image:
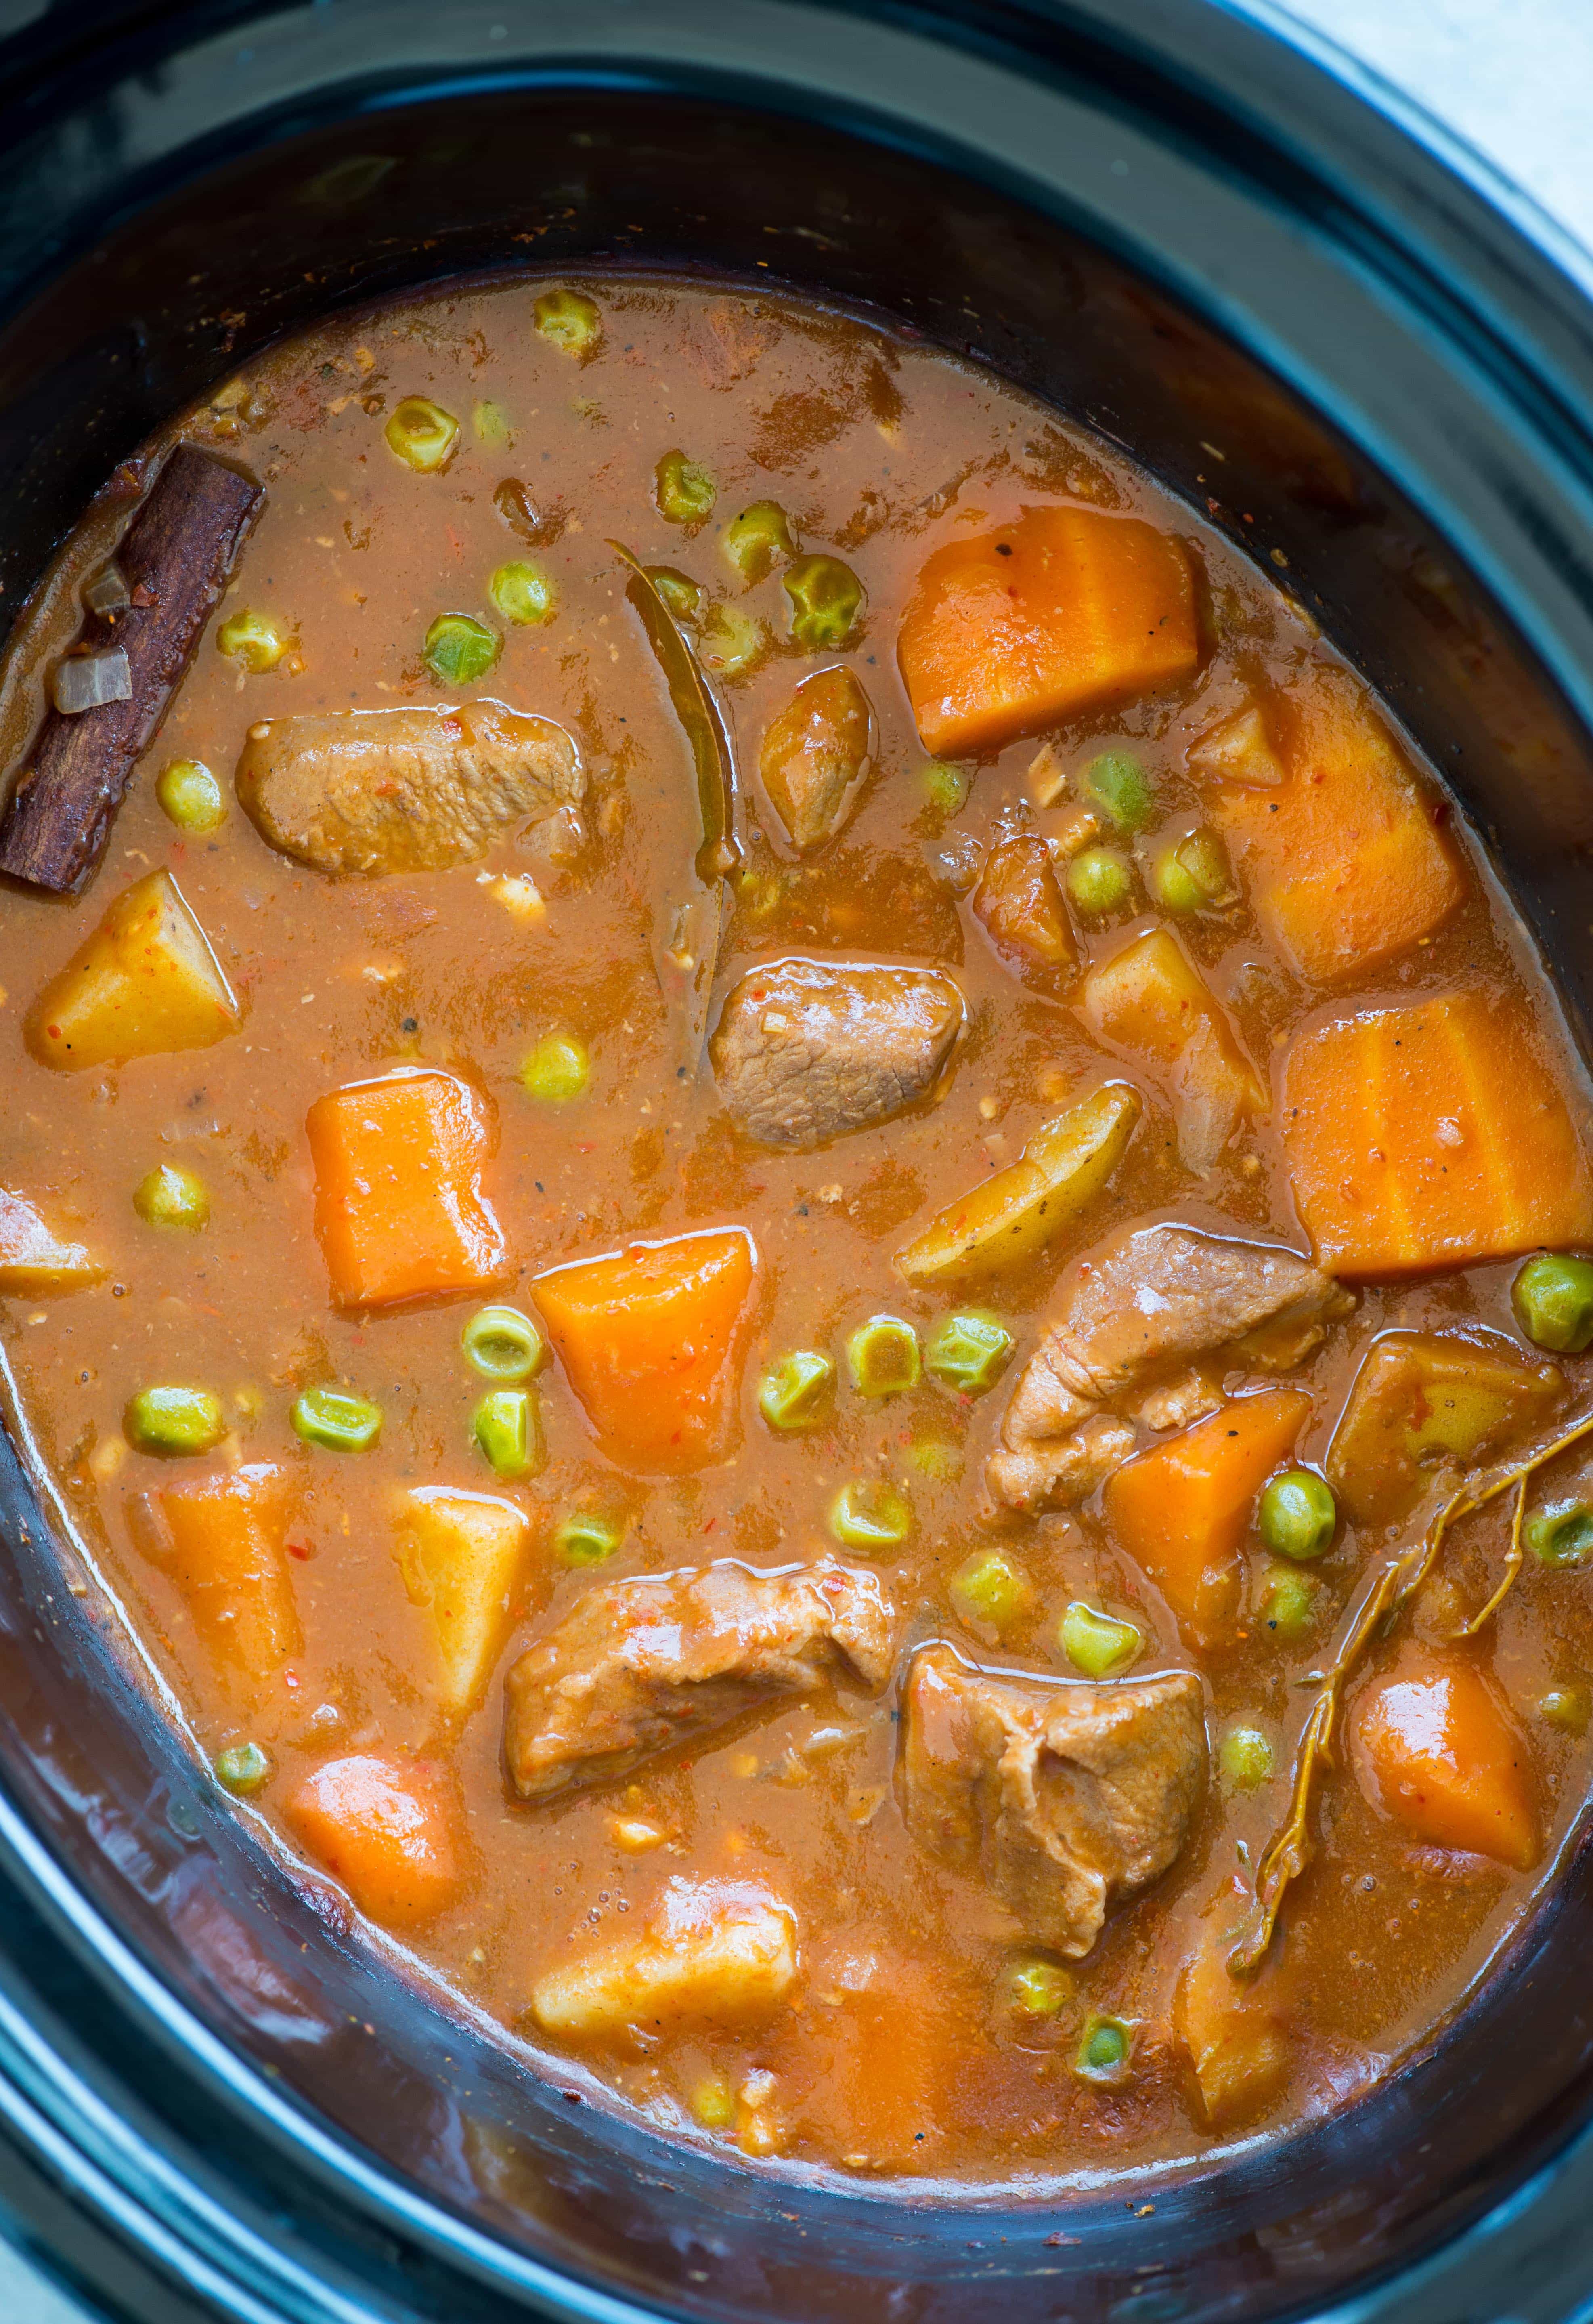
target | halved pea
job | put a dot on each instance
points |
(172, 1197)
(1245, 1757)
(871, 1514)
(243, 1767)
(507, 1427)
(1552, 1298)
(945, 787)
(336, 1419)
(502, 1344)
(1297, 1516)
(570, 321)
(490, 422)
(1105, 2049)
(1098, 1644)
(174, 1421)
(558, 1071)
(585, 1538)
(683, 597)
(988, 1588)
(1195, 875)
(882, 1356)
(1286, 1603)
(794, 1392)
(754, 539)
(1561, 1533)
(730, 642)
(935, 1458)
(684, 492)
(1118, 785)
(968, 1352)
(259, 640)
(1098, 881)
(459, 648)
(189, 796)
(422, 434)
(523, 593)
(1569, 1708)
(826, 598)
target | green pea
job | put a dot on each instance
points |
(422, 434)
(730, 642)
(1098, 881)
(794, 1393)
(1552, 1298)
(502, 1344)
(990, 1589)
(683, 597)
(570, 321)
(826, 598)
(1194, 876)
(933, 1457)
(491, 423)
(190, 797)
(1118, 785)
(174, 1421)
(1561, 1533)
(968, 1350)
(1105, 2049)
(1245, 1757)
(685, 493)
(172, 1197)
(459, 648)
(1098, 1644)
(1038, 1987)
(523, 593)
(585, 1539)
(1287, 1603)
(753, 539)
(336, 1420)
(882, 1357)
(870, 1514)
(508, 1430)
(558, 1071)
(1297, 1516)
(259, 640)
(1569, 1708)
(243, 1767)
(947, 787)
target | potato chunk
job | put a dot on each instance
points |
(720, 1952)
(816, 754)
(32, 1259)
(1424, 1401)
(1235, 2030)
(1017, 1211)
(461, 1556)
(145, 982)
(1152, 1001)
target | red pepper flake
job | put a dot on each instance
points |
(298, 1549)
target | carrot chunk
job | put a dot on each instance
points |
(399, 1210)
(1343, 862)
(222, 1540)
(1436, 1747)
(34, 1259)
(1235, 2031)
(1064, 610)
(1431, 1135)
(1153, 1004)
(651, 1339)
(1181, 1509)
(386, 1830)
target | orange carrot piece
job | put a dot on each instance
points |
(1344, 862)
(1436, 1745)
(1428, 1136)
(221, 1539)
(1064, 610)
(386, 1830)
(1181, 1509)
(650, 1338)
(399, 1210)
(1235, 2030)
(1153, 1004)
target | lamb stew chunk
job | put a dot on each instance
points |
(799, 1227)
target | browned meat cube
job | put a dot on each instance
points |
(1019, 904)
(372, 791)
(816, 755)
(1067, 1796)
(639, 1665)
(809, 1049)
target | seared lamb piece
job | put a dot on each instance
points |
(808, 1049)
(815, 757)
(1156, 1298)
(1069, 1797)
(372, 791)
(639, 1665)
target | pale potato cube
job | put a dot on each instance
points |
(32, 1259)
(718, 1952)
(461, 1556)
(145, 982)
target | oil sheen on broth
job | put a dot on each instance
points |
(1023, 1231)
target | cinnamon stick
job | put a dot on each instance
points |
(175, 556)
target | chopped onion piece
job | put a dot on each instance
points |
(107, 592)
(85, 682)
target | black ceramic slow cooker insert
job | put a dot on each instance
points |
(1170, 223)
